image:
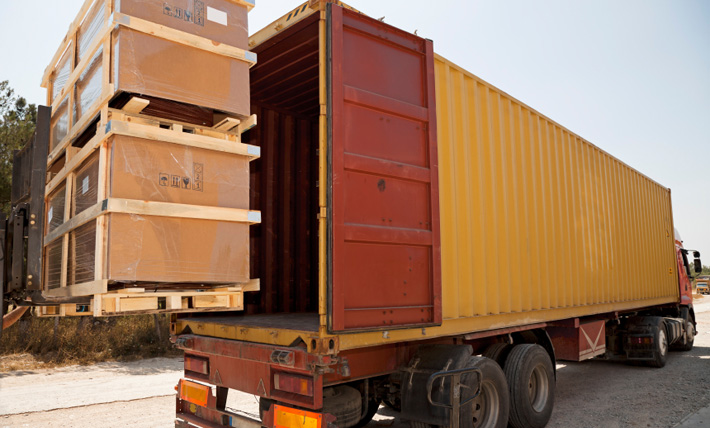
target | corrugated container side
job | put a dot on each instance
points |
(533, 217)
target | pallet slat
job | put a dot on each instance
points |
(132, 302)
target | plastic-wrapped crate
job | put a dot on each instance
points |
(149, 207)
(185, 55)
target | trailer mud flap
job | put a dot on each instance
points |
(383, 195)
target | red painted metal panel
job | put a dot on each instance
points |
(580, 342)
(384, 227)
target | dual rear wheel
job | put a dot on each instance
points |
(530, 383)
(517, 388)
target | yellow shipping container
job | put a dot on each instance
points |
(535, 218)
(536, 224)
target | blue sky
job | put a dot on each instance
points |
(632, 77)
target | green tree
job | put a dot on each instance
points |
(17, 124)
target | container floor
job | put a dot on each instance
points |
(295, 321)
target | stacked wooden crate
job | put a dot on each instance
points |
(147, 196)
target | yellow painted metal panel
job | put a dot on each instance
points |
(534, 217)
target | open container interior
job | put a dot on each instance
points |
(284, 181)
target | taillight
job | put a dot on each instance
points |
(292, 418)
(193, 392)
(293, 383)
(197, 364)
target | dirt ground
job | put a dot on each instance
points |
(140, 394)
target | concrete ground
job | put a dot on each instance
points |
(141, 394)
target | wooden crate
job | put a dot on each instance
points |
(81, 190)
(136, 301)
(106, 53)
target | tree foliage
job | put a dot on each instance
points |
(17, 124)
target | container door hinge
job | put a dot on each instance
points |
(322, 213)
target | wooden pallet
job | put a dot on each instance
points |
(111, 22)
(135, 301)
(130, 122)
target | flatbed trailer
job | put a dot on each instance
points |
(454, 222)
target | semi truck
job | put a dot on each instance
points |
(427, 242)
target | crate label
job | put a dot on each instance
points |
(195, 16)
(49, 214)
(183, 181)
(216, 15)
(85, 185)
(197, 173)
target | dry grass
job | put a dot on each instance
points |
(39, 342)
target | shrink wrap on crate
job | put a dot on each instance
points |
(157, 67)
(151, 248)
(220, 20)
(164, 172)
(54, 214)
(163, 249)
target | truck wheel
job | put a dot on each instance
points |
(689, 338)
(343, 402)
(660, 344)
(498, 352)
(491, 408)
(531, 383)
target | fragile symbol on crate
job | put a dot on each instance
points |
(196, 15)
(184, 182)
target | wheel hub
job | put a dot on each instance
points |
(538, 388)
(486, 407)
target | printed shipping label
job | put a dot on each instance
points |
(85, 185)
(216, 15)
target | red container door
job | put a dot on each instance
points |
(384, 250)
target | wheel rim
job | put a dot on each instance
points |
(662, 343)
(538, 388)
(486, 407)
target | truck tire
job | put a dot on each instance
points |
(492, 406)
(343, 402)
(498, 352)
(660, 343)
(688, 339)
(531, 382)
(686, 344)
(372, 407)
